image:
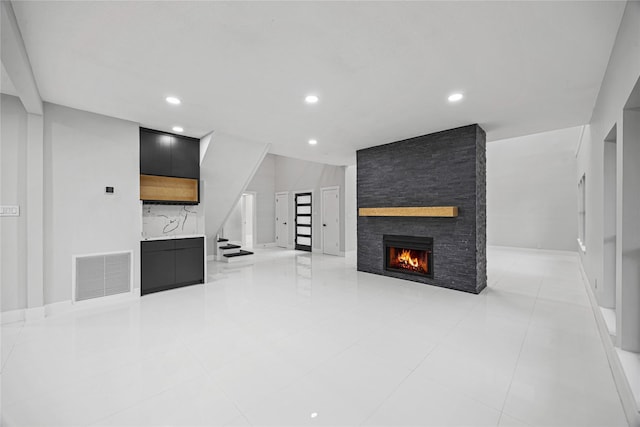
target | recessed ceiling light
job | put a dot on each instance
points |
(173, 100)
(455, 97)
(314, 414)
(177, 129)
(311, 99)
(313, 142)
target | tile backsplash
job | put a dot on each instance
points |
(172, 220)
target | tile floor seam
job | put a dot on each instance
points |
(515, 368)
(412, 371)
(376, 298)
(388, 396)
(71, 383)
(222, 389)
(592, 299)
(4, 362)
(146, 399)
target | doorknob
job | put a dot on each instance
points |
(324, 225)
(284, 223)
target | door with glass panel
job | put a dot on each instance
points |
(303, 221)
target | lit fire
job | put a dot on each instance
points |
(405, 258)
(408, 259)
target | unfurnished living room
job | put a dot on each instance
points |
(330, 213)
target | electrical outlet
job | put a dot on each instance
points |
(9, 210)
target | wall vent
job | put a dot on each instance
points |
(102, 275)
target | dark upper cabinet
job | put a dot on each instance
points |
(166, 154)
(155, 153)
(185, 160)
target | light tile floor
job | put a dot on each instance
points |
(305, 339)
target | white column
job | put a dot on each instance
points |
(607, 290)
(35, 217)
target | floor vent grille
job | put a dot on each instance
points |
(102, 275)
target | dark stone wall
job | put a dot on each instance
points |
(441, 169)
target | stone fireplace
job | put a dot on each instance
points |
(427, 196)
(408, 254)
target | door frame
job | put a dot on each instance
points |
(322, 190)
(275, 216)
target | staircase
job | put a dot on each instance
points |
(227, 165)
(229, 252)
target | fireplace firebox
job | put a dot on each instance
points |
(408, 254)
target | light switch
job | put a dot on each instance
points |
(9, 210)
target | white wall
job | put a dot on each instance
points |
(294, 175)
(227, 167)
(279, 173)
(84, 153)
(233, 225)
(621, 76)
(532, 191)
(264, 184)
(351, 209)
(13, 191)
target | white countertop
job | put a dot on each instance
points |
(181, 236)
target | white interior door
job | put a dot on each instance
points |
(282, 216)
(330, 221)
(247, 220)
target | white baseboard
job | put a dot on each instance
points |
(40, 313)
(34, 314)
(555, 252)
(13, 316)
(265, 245)
(632, 412)
(58, 308)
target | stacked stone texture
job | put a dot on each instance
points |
(446, 168)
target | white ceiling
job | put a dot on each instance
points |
(383, 70)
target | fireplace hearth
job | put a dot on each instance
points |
(408, 254)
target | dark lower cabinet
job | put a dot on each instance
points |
(189, 266)
(158, 270)
(171, 263)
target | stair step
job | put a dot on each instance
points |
(230, 246)
(240, 253)
(222, 239)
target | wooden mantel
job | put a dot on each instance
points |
(434, 211)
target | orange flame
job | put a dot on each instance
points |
(405, 258)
